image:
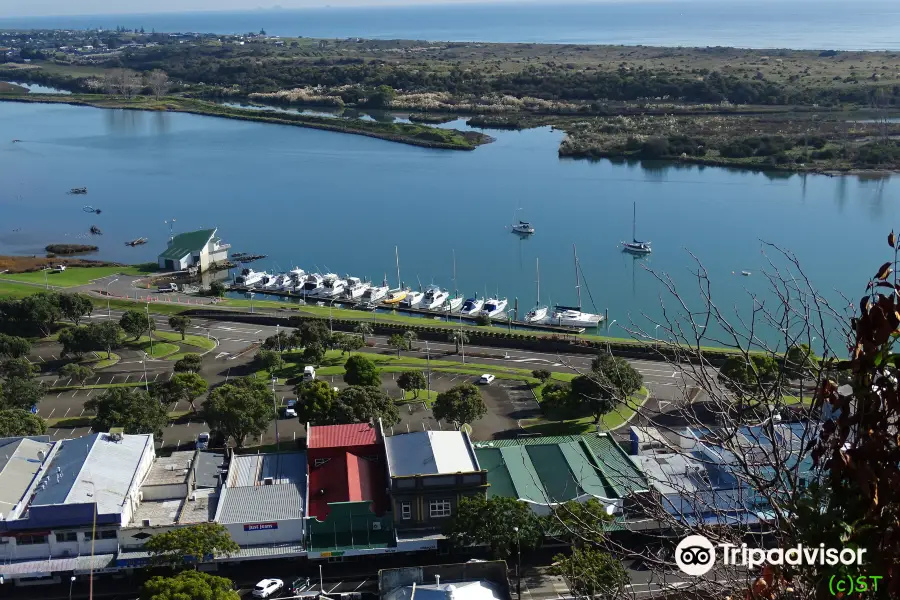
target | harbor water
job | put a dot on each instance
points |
(340, 203)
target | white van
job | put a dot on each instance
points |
(309, 373)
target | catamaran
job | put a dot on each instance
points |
(355, 288)
(494, 307)
(538, 314)
(434, 298)
(635, 246)
(472, 306)
(571, 316)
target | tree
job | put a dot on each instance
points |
(278, 342)
(361, 371)
(412, 381)
(75, 306)
(459, 337)
(364, 328)
(17, 367)
(130, 408)
(41, 310)
(135, 323)
(189, 363)
(748, 377)
(543, 375)
(75, 341)
(193, 585)
(381, 97)
(21, 393)
(591, 573)
(799, 362)
(158, 82)
(14, 347)
(365, 404)
(104, 336)
(316, 403)
(216, 289)
(579, 523)
(239, 410)
(460, 404)
(314, 332)
(180, 324)
(269, 360)
(398, 342)
(193, 543)
(347, 343)
(15, 422)
(314, 353)
(410, 337)
(76, 372)
(587, 391)
(187, 387)
(612, 381)
(492, 522)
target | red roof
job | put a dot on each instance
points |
(346, 478)
(340, 436)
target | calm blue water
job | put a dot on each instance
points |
(836, 24)
(339, 202)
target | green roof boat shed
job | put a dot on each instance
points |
(200, 249)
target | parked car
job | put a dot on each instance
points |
(309, 373)
(291, 403)
(267, 588)
(301, 584)
(203, 441)
(486, 379)
(289, 413)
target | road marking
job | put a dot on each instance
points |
(98, 379)
(360, 585)
(59, 394)
(51, 413)
(337, 585)
(55, 432)
(67, 412)
(82, 411)
(126, 378)
(54, 382)
(75, 393)
(89, 393)
(68, 381)
(71, 433)
(53, 356)
(157, 377)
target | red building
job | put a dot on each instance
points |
(346, 464)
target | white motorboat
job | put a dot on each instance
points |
(453, 304)
(355, 287)
(262, 283)
(249, 277)
(412, 300)
(635, 246)
(494, 307)
(374, 293)
(333, 286)
(523, 228)
(472, 306)
(312, 285)
(275, 283)
(538, 314)
(297, 277)
(434, 298)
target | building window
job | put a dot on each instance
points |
(88, 536)
(109, 534)
(438, 509)
(405, 511)
(71, 536)
(28, 540)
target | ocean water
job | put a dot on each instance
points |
(340, 203)
(803, 24)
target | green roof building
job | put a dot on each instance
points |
(200, 249)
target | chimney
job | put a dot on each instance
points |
(437, 580)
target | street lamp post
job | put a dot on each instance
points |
(509, 319)
(46, 282)
(428, 362)
(149, 331)
(656, 335)
(321, 581)
(108, 311)
(518, 565)
(331, 315)
(275, 406)
(146, 381)
(71, 582)
(250, 295)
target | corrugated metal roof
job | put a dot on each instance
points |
(94, 469)
(170, 469)
(429, 453)
(247, 499)
(617, 469)
(187, 243)
(464, 590)
(21, 460)
(340, 436)
(46, 565)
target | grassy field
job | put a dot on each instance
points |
(196, 341)
(159, 350)
(71, 277)
(581, 425)
(104, 362)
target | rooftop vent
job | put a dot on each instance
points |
(268, 481)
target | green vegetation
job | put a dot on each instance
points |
(103, 363)
(406, 133)
(561, 422)
(196, 341)
(132, 409)
(160, 349)
(71, 277)
(192, 543)
(70, 248)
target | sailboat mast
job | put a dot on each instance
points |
(634, 222)
(577, 280)
(537, 268)
(455, 287)
(397, 257)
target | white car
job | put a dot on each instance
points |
(290, 413)
(267, 588)
(486, 379)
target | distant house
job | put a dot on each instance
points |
(194, 249)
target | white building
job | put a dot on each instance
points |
(194, 249)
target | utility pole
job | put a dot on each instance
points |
(149, 331)
(275, 406)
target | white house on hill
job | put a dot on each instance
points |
(194, 249)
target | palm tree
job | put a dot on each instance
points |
(459, 336)
(364, 328)
(410, 337)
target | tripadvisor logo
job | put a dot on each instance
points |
(696, 555)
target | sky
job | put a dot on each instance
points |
(36, 8)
